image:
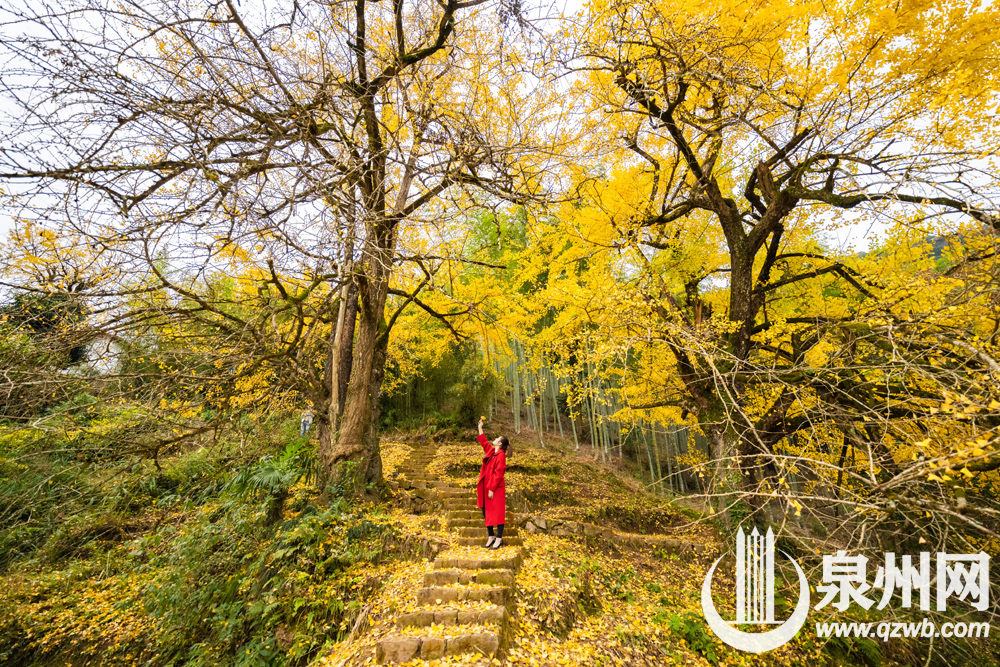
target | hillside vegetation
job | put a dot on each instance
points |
(713, 266)
(226, 555)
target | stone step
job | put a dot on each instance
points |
(476, 521)
(481, 541)
(486, 577)
(398, 648)
(495, 615)
(509, 530)
(429, 595)
(505, 558)
(455, 504)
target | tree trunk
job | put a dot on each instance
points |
(659, 468)
(356, 441)
(726, 480)
(347, 346)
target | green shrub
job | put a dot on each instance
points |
(692, 629)
(213, 590)
(854, 651)
(80, 534)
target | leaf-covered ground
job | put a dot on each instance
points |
(208, 584)
(589, 601)
(580, 601)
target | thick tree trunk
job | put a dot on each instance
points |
(374, 470)
(356, 439)
(743, 311)
(724, 480)
(347, 346)
(328, 415)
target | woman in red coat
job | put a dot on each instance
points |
(490, 492)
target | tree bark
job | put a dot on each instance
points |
(347, 345)
(356, 440)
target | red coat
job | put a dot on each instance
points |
(491, 479)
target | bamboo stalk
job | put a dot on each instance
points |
(595, 422)
(528, 393)
(572, 419)
(682, 448)
(539, 378)
(606, 422)
(496, 394)
(602, 408)
(540, 390)
(526, 398)
(555, 402)
(541, 415)
(520, 392)
(615, 406)
(591, 414)
(671, 468)
(649, 455)
(675, 454)
(515, 393)
(659, 469)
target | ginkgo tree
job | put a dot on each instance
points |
(309, 140)
(728, 136)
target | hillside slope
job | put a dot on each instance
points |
(572, 586)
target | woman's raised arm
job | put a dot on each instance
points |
(486, 444)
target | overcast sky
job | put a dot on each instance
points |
(857, 235)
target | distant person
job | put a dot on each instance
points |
(307, 420)
(490, 491)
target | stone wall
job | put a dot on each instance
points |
(536, 525)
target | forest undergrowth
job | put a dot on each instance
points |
(227, 555)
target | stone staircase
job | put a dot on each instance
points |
(466, 600)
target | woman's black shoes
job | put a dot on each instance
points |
(497, 543)
(489, 542)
